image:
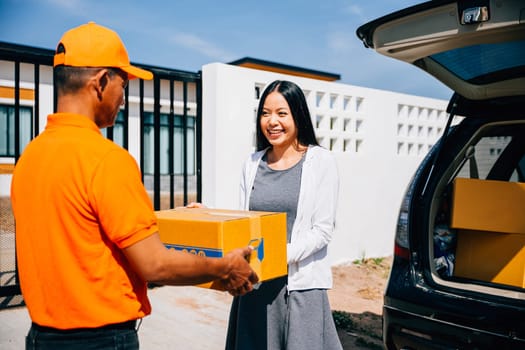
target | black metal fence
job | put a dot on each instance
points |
(160, 123)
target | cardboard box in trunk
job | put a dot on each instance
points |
(491, 257)
(488, 205)
(215, 232)
(491, 230)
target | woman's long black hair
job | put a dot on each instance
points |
(298, 107)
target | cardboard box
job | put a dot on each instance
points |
(491, 257)
(488, 205)
(215, 232)
(491, 230)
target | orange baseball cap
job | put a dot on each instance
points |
(92, 45)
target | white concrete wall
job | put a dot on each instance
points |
(386, 136)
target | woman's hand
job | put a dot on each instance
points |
(195, 205)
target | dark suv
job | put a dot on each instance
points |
(458, 275)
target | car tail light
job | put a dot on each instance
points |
(401, 245)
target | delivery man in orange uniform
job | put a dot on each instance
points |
(86, 233)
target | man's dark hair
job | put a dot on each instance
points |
(71, 79)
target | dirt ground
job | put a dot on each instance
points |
(356, 300)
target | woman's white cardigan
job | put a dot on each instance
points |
(308, 263)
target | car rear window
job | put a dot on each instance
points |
(485, 63)
(498, 155)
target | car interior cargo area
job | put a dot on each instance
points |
(479, 231)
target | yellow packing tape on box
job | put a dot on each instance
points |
(215, 232)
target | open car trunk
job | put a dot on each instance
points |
(476, 236)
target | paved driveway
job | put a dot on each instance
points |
(182, 318)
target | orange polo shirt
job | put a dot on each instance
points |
(78, 200)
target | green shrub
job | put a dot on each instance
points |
(343, 320)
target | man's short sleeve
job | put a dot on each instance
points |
(120, 200)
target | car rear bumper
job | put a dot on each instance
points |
(404, 330)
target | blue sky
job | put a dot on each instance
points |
(187, 34)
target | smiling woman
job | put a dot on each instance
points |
(278, 126)
(290, 173)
